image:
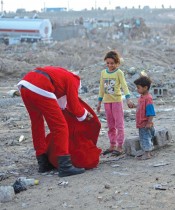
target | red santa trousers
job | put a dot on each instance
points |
(40, 108)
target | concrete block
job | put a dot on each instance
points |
(132, 144)
(159, 91)
(162, 137)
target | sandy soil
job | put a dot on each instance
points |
(117, 183)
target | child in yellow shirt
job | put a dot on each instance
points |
(111, 81)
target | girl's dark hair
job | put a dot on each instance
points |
(114, 55)
(143, 81)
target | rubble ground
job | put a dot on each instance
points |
(118, 182)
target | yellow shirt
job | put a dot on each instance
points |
(110, 86)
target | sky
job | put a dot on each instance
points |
(12, 5)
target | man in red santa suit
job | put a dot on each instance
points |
(45, 92)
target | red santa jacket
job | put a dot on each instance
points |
(63, 84)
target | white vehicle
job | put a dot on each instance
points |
(25, 29)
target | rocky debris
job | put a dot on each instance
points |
(162, 138)
(111, 185)
(3, 176)
(5, 102)
(6, 194)
(134, 28)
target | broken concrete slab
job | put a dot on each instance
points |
(132, 144)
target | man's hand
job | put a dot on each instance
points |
(89, 116)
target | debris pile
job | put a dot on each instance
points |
(134, 28)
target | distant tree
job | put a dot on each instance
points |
(162, 6)
(139, 6)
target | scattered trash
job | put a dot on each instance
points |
(134, 28)
(29, 182)
(100, 198)
(63, 183)
(115, 166)
(160, 164)
(102, 132)
(159, 187)
(6, 193)
(13, 93)
(65, 205)
(114, 207)
(110, 159)
(132, 70)
(20, 105)
(3, 176)
(117, 192)
(22, 182)
(107, 186)
(103, 120)
(119, 173)
(19, 186)
(21, 138)
(83, 90)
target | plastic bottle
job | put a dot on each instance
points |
(29, 182)
(6, 193)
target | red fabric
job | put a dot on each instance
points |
(82, 140)
(40, 108)
(64, 83)
(67, 134)
(141, 118)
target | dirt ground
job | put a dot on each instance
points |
(118, 182)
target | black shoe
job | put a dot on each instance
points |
(44, 164)
(66, 168)
(108, 151)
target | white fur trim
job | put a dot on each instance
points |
(36, 89)
(83, 117)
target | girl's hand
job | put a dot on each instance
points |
(130, 104)
(98, 108)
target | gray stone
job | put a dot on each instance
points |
(6, 193)
(162, 138)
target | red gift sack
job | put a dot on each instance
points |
(83, 138)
